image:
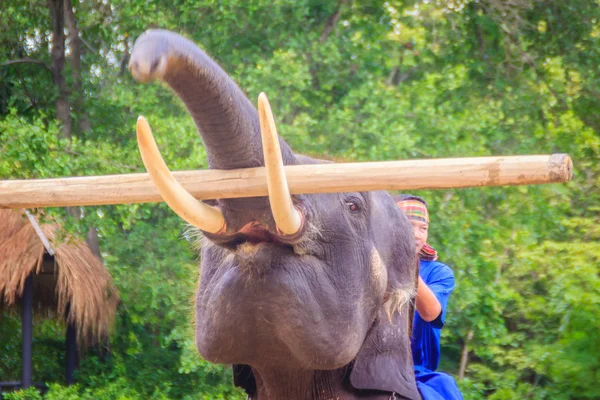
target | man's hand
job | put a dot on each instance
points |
(428, 306)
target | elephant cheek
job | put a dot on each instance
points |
(378, 273)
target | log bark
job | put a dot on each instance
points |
(317, 178)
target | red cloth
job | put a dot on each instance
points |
(428, 253)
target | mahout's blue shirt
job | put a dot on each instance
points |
(425, 340)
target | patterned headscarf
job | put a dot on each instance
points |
(417, 210)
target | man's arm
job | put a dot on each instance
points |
(428, 306)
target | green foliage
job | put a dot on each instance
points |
(24, 394)
(391, 80)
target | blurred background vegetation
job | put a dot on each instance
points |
(349, 80)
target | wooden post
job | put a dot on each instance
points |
(315, 178)
(27, 333)
(71, 356)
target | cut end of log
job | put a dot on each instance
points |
(560, 168)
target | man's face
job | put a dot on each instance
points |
(421, 230)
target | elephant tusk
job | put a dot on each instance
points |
(287, 218)
(202, 216)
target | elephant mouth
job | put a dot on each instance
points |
(288, 218)
(255, 234)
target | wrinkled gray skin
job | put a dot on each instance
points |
(298, 317)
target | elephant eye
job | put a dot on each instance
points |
(353, 204)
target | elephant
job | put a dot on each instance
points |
(305, 296)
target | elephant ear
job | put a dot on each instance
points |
(244, 378)
(384, 361)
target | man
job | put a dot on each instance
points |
(435, 284)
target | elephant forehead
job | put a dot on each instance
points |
(378, 272)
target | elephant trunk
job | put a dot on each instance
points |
(226, 119)
(230, 129)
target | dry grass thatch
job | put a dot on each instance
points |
(80, 280)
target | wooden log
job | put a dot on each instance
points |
(317, 178)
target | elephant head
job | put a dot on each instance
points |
(307, 296)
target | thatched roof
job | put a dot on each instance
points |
(73, 277)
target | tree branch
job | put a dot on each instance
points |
(465, 355)
(62, 106)
(26, 61)
(83, 122)
(27, 92)
(124, 59)
(87, 45)
(392, 78)
(331, 22)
